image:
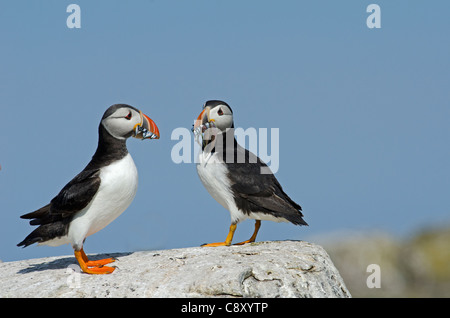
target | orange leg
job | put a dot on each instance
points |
(98, 269)
(227, 240)
(253, 238)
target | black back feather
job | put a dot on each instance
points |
(253, 190)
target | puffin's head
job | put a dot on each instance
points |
(215, 113)
(123, 121)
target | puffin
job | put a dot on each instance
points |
(235, 177)
(98, 194)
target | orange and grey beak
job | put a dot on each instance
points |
(146, 129)
(202, 122)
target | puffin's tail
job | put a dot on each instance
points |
(33, 237)
(297, 218)
(50, 226)
(38, 216)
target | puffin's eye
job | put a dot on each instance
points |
(220, 112)
(128, 116)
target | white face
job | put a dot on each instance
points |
(122, 122)
(222, 116)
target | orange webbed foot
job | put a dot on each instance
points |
(244, 242)
(227, 240)
(99, 270)
(216, 244)
(100, 262)
(94, 267)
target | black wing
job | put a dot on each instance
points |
(75, 196)
(255, 191)
(54, 218)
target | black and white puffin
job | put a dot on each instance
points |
(99, 193)
(236, 178)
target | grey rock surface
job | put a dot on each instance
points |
(263, 269)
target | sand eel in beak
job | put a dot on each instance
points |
(233, 175)
(99, 193)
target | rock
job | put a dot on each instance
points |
(264, 269)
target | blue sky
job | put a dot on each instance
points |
(363, 114)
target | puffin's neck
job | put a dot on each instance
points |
(109, 149)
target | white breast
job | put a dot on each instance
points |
(213, 174)
(117, 190)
